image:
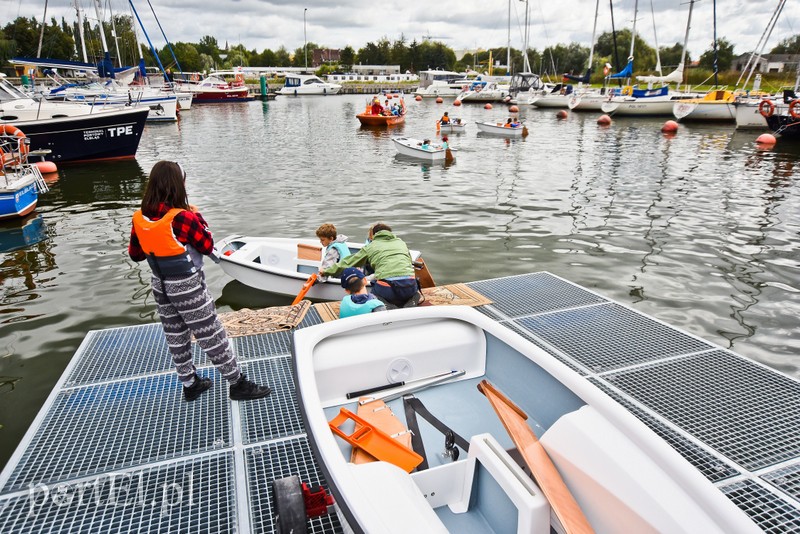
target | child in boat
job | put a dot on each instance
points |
(335, 246)
(173, 237)
(426, 144)
(445, 119)
(445, 145)
(357, 301)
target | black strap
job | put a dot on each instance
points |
(416, 437)
(413, 404)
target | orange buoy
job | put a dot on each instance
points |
(487, 106)
(46, 167)
(388, 96)
(604, 120)
(766, 139)
(562, 114)
(457, 103)
(418, 98)
(669, 127)
(513, 109)
(439, 100)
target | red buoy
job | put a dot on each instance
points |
(487, 106)
(46, 167)
(766, 139)
(513, 109)
(457, 102)
(604, 120)
(669, 127)
(439, 100)
(562, 114)
(418, 98)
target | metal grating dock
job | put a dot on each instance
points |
(115, 448)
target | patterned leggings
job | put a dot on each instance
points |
(186, 308)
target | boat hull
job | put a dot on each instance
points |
(704, 111)
(455, 128)
(19, 200)
(380, 120)
(639, 107)
(587, 101)
(104, 135)
(409, 147)
(550, 101)
(272, 264)
(748, 117)
(785, 126)
(217, 97)
(499, 129)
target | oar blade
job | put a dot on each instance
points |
(305, 289)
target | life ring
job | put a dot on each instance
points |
(195, 77)
(13, 131)
(793, 111)
(627, 90)
(766, 108)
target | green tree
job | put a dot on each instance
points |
(379, 53)
(671, 55)
(208, 45)
(264, 59)
(724, 56)
(570, 58)
(282, 58)
(347, 56)
(790, 45)
(435, 55)
(299, 58)
(644, 54)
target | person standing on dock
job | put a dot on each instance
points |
(173, 237)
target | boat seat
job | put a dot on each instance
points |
(394, 492)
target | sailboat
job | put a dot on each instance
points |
(652, 101)
(586, 98)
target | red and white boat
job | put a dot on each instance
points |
(221, 86)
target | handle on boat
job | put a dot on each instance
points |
(214, 255)
(361, 392)
(306, 287)
(414, 385)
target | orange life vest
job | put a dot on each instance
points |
(156, 237)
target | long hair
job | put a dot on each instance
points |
(166, 185)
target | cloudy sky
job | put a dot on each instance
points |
(461, 24)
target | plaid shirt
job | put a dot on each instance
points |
(189, 228)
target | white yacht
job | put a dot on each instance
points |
(307, 84)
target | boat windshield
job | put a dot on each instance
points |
(312, 80)
(292, 82)
(8, 92)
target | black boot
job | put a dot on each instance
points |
(197, 388)
(244, 389)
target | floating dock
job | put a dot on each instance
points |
(116, 449)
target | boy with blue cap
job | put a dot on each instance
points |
(357, 301)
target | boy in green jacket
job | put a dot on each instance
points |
(387, 254)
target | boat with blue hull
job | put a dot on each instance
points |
(112, 134)
(20, 181)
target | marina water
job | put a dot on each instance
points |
(700, 230)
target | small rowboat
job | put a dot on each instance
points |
(367, 119)
(454, 126)
(282, 265)
(595, 466)
(497, 128)
(408, 146)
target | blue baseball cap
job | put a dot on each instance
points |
(350, 275)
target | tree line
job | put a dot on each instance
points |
(60, 40)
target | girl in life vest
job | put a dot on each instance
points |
(173, 237)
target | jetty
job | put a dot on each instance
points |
(116, 448)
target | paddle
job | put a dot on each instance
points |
(306, 287)
(540, 464)
(448, 156)
(524, 131)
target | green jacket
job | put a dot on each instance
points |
(388, 255)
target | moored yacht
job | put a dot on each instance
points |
(307, 84)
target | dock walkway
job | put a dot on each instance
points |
(116, 449)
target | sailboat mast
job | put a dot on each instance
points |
(114, 34)
(763, 41)
(633, 34)
(508, 52)
(80, 32)
(41, 33)
(594, 32)
(100, 24)
(527, 65)
(655, 36)
(716, 58)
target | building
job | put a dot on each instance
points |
(320, 56)
(769, 63)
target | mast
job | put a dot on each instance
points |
(114, 34)
(686, 39)
(152, 49)
(716, 58)
(655, 36)
(80, 32)
(41, 33)
(177, 63)
(633, 34)
(508, 53)
(106, 68)
(762, 43)
(594, 32)
(526, 67)
(614, 35)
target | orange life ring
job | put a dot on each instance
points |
(13, 131)
(766, 108)
(793, 109)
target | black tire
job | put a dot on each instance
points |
(290, 508)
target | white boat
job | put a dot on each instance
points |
(454, 126)
(306, 84)
(484, 91)
(220, 86)
(444, 83)
(748, 111)
(621, 475)
(717, 105)
(21, 182)
(280, 265)
(587, 99)
(408, 146)
(498, 128)
(557, 97)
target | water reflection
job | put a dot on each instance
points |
(115, 182)
(20, 233)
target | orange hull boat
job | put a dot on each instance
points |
(367, 119)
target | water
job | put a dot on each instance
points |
(700, 230)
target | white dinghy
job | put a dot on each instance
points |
(499, 128)
(283, 265)
(413, 148)
(618, 475)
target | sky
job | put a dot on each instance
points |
(460, 24)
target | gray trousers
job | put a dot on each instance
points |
(186, 308)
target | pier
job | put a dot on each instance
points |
(115, 448)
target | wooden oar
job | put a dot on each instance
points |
(306, 287)
(524, 131)
(540, 464)
(448, 156)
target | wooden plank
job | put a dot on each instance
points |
(309, 252)
(423, 274)
(540, 464)
(379, 416)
